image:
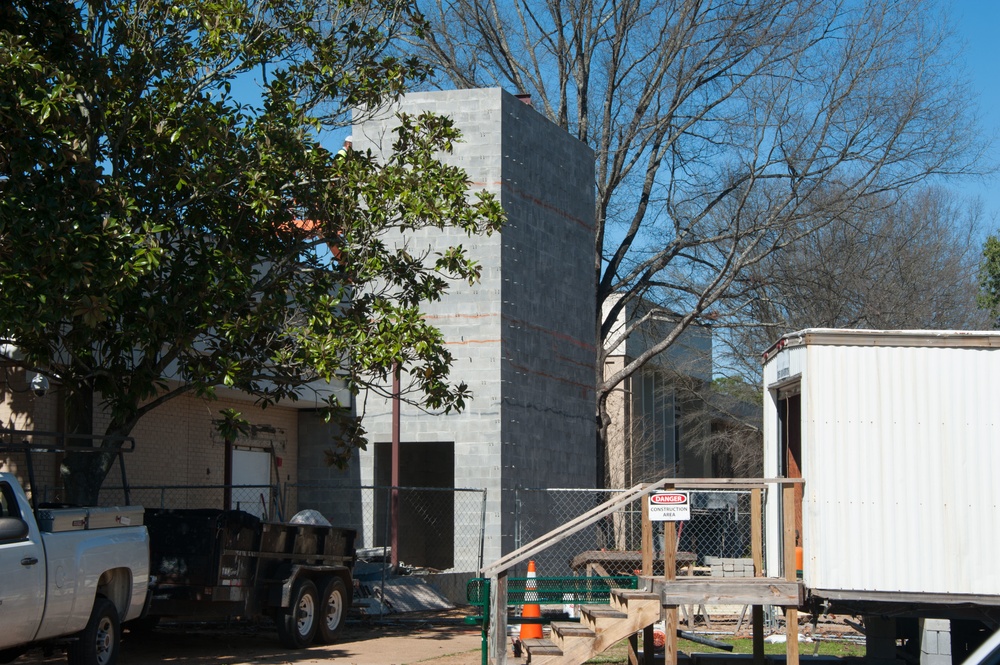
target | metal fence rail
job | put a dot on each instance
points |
(260, 500)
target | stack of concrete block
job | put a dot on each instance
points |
(725, 567)
(935, 642)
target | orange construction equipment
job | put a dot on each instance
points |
(531, 610)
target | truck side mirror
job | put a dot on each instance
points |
(12, 529)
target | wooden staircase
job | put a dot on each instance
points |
(600, 627)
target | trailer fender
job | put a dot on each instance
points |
(315, 573)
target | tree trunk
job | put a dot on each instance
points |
(83, 473)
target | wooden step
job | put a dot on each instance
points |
(623, 599)
(567, 633)
(599, 617)
(601, 627)
(542, 652)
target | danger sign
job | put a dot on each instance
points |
(673, 506)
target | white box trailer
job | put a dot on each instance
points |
(897, 437)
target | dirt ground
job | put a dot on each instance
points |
(414, 639)
(432, 637)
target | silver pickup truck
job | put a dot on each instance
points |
(70, 575)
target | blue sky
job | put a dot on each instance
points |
(977, 24)
(977, 27)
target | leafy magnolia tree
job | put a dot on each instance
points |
(725, 130)
(171, 222)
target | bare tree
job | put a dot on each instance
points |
(724, 130)
(901, 263)
(909, 262)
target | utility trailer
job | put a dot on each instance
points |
(227, 563)
(896, 435)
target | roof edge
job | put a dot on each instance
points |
(862, 337)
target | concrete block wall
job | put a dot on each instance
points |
(935, 642)
(548, 437)
(522, 338)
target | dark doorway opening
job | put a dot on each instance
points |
(790, 419)
(426, 514)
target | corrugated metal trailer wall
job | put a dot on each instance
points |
(900, 451)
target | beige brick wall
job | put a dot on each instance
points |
(176, 444)
(21, 409)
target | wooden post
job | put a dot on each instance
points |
(788, 543)
(647, 570)
(633, 649)
(756, 532)
(647, 538)
(498, 619)
(669, 575)
(757, 551)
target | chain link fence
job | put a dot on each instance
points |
(263, 501)
(438, 529)
(715, 541)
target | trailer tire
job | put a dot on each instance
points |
(100, 641)
(332, 608)
(297, 623)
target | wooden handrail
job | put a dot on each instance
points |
(612, 505)
(577, 524)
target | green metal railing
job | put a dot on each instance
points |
(552, 590)
(543, 591)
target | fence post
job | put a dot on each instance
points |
(669, 575)
(517, 518)
(482, 530)
(498, 619)
(791, 613)
(757, 551)
(386, 561)
(647, 538)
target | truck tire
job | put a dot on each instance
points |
(297, 622)
(100, 641)
(332, 608)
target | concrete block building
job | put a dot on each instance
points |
(523, 338)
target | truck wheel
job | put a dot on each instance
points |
(99, 642)
(333, 605)
(297, 623)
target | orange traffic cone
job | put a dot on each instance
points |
(531, 609)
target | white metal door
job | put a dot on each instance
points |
(252, 468)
